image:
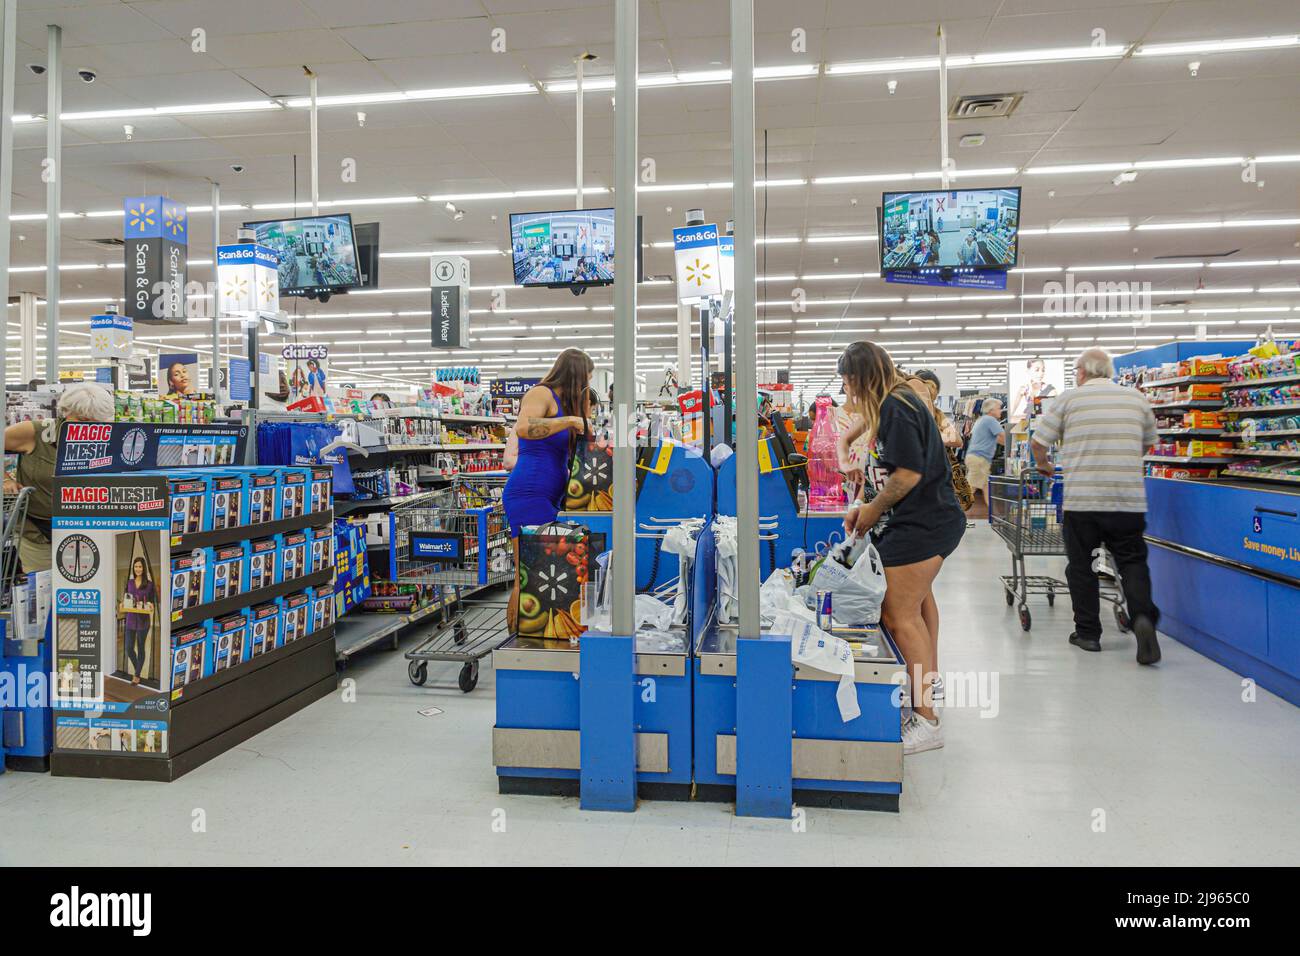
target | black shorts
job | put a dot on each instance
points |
(901, 545)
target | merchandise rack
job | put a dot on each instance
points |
(1263, 382)
(1184, 380)
(1260, 409)
(360, 630)
(1186, 459)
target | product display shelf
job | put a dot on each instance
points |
(1260, 409)
(1263, 434)
(352, 505)
(221, 712)
(1183, 380)
(1195, 433)
(1263, 382)
(414, 449)
(1266, 452)
(1186, 459)
(1262, 476)
(1203, 404)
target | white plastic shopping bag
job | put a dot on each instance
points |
(856, 591)
(813, 647)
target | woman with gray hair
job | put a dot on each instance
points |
(36, 445)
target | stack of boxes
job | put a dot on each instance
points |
(217, 499)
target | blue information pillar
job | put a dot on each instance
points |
(607, 742)
(764, 727)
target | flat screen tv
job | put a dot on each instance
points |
(975, 229)
(570, 248)
(318, 254)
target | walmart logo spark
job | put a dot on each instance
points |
(698, 272)
(142, 215)
(174, 221)
(237, 288)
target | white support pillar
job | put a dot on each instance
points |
(216, 294)
(578, 63)
(8, 53)
(685, 360)
(315, 157)
(744, 212)
(945, 158)
(53, 196)
(626, 29)
(27, 332)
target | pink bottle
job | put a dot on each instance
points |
(825, 484)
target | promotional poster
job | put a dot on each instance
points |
(178, 374)
(305, 367)
(1031, 380)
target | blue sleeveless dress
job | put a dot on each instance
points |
(534, 491)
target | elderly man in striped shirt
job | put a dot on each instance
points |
(1104, 430)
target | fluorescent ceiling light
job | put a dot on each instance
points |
(1225, 224)
(1216, 46)
(443, 93)
(600, 84)
(914, 64)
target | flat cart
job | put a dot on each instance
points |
(460, 545)
(1025, 512)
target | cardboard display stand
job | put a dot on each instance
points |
(161, 657)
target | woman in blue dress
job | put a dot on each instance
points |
(547, 434)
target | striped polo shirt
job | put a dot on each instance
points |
(1104, 430)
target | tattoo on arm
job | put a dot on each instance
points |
(537, 428)
(895, 490)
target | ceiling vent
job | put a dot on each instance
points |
(111, 243)
(984, 105)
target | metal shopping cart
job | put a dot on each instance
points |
(460, 545)
(14, 523)
(1025, 511)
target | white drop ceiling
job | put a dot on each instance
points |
(1118, 110)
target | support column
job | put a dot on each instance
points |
(8, 53)
(606, 693)
(216, 294)
(53, 197)
(746, 302)
(27, 333)
(685, 360)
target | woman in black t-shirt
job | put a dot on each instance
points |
(909, 509)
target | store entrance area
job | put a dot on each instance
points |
(1082, 759)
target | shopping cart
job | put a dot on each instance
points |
(15, 522)
(1025, 511)
(459, 545)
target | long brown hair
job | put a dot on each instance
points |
(570, 379)
(870, 377)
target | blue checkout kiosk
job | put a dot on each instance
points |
(717, 718)
(1225, 559)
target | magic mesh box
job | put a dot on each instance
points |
(226, 577)
(189, 581)
(262, 558)
(229, 641)
(297, 614)
(322, 607)
(262, 487)
(226, 501)
(189, 505)
(321, 548)
(293, 555)
(189, 655)
(264, 627)
(321, 495)
(294, 483)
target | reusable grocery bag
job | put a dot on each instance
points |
(856, 591)
(555, 561)
(591, 476)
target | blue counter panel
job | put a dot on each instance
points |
(1240, 523)
(664, 707)
(1284, 628)
(715, 713)
(817, 715)
(1212, 599)
(537, 700)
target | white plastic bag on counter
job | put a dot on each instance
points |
(724, 530)
(813, 647)
(681, 541)
(856, 592)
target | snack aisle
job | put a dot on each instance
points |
(1222, 524)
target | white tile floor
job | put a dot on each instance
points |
(1179, 767)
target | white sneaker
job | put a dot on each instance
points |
(920, 735)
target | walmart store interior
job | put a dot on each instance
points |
(420, 415)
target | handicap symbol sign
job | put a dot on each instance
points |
(1257, 523)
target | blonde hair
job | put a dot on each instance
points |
(870, 377)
